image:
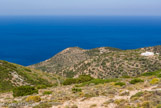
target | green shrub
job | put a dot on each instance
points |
(41, 86)
(70, 81)
(125, 76)
(139, 94)
(102, 81)
(84, 78)
(145, 104)
(158, 106)
(156, 73)
(134, 81)
(89, 95)
(80, 79)
(47, 92)
(159, 75)
(75, 90)
(24, 91)
(119, 101)
(120, 83)
(149, 73)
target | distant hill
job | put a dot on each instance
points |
(103, 62)
(13, 75)
(142, 91)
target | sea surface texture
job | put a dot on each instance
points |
(28, 40)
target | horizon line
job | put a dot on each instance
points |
(91, 15)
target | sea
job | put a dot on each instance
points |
(27, 40)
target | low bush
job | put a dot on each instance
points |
(80, 79)
(149, 73)
(47, 92)
(89, 95)
(125, 76)
(41, 86)
(33, 99)
(154, 81)
(152, 73)
(159, 75)
(134, 81)
(158, 106)
(93, 106)
(119, 101)
(70, 81)
(139, 94)
(24, 91)
(75, 90)
(120, 83)
(102, 81)
(145, 104)
(84, 78)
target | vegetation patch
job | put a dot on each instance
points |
(13, 75)
(41, 86)
(119, 101)
(139, 94)
(47, 92)
(126, 76)
(24, 91)
(75, 90)
(33, 99)
(134, 81)
(159, 75)
(120, 83)
(80, 79)
(155, 73)
(154, 81)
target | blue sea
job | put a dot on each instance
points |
(28, 40)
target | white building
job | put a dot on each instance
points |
(147, 53)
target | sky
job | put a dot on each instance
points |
(81, 7)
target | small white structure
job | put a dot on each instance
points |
(157, 53)
(147, 53)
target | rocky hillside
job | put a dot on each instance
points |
(67, 58)
(102, 62)
(143, 91)
(13, 75)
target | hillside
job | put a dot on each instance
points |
(118, 79)
(13, 75)
(104, 62)
(143, 91)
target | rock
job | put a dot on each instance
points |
(125, 93)
(91, 84)
(159, 85)
(111, 101)
(158, 92)
(111, 91)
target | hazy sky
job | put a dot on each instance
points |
(81, 7)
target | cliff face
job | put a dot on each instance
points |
(102, 62)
